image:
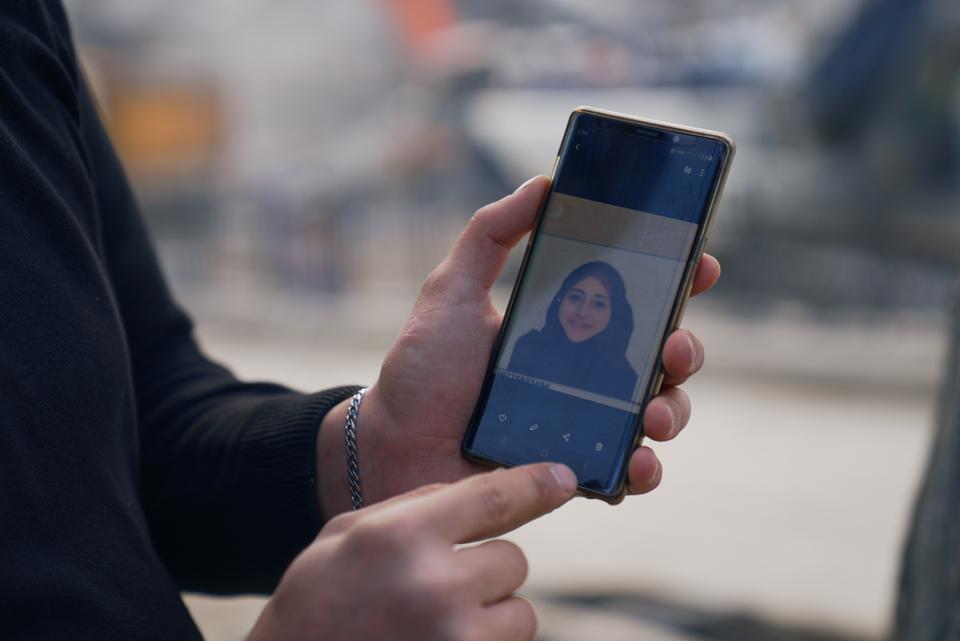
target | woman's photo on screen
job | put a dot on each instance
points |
(584, 339)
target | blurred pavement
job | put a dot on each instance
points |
(787, 497)
(231, 620)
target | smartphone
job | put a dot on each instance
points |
(606, 275)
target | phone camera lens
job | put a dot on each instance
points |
(676, 139)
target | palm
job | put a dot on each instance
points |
(429, 385)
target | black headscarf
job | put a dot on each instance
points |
(598, 364)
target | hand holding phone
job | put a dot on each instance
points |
(413, 419)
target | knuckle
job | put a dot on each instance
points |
(479, 218)
(440, 286)
(434, 593)
(509, 562)
(433, 588)
(340, 523)
(482, 224)
(435, 282)
(526, 619)
(520, 622)
(542, 482)
(378, 536)
(429, 488)
(495, 502)
(516, 560)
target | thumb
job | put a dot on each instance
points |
(483, 247)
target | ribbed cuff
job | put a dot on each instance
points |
(278, 456)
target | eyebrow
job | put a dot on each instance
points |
(577, 289)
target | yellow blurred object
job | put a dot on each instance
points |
(161, 127)
(165, 128)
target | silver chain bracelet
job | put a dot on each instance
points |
(353, 461)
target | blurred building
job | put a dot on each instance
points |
(331, 147)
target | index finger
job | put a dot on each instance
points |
(494, 503)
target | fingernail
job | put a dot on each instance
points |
(566, 479)
(673, 420)
(657, 471)
(525, 185)
(696, 355)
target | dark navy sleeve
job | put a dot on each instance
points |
(101, 378)
(228, 468)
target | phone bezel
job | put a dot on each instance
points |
(676, 314)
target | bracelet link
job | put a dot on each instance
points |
(353, 459)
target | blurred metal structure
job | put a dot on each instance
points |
(928, 608)
(872, 223)
(389, 121)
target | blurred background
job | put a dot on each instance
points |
(303, 164)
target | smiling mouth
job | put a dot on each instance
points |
(575, 324)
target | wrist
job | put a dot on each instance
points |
(333, 492)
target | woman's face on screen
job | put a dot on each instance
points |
(585, 310)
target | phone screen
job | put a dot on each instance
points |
(581, 342)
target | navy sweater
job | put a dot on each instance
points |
(131, 466)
